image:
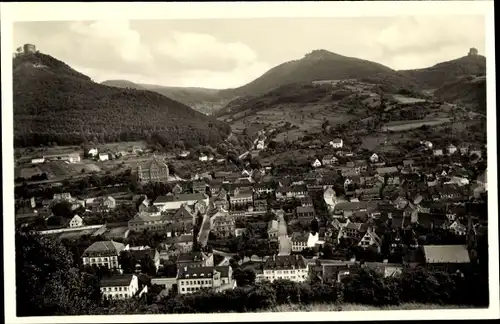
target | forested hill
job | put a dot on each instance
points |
(55, 104)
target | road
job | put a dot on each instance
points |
(204, 231)
(285, 244)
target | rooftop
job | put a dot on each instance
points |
(180, 197)
(446, 254)
(104, 248)
(116, 281)
(285, 262)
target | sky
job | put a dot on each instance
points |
(228, 53)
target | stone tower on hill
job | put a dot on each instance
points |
(473, 52)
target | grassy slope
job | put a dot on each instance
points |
(353, 307)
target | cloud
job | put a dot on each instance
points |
(202, 51)
(110, 38)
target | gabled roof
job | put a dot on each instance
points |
(104, 248)
(276, 262)
(180, 197)
(446, 254)
(117, 280)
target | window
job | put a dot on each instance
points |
(183, 289)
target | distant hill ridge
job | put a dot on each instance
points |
(55, 103)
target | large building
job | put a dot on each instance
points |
(153, 171)
(174, 202)
(153, 219)
(222, 224)
(119, 287)
(190, 280)
(103, 254)
(290, 267)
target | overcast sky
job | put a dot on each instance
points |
(224, 53)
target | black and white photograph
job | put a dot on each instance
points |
(287, 160)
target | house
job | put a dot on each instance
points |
(305, 214)
(392, 180)
(291, 267)
(241, 197)
(266, 187)
(260, 205)
(184, 154)
(482, 180)
(37, 160)
(103, 156)
(154, 220)
(222, 224)
(374, 158)
(93, 152)
(119, 286)
(190, 280)
(457, 228)
(452, 149)
(299, 241)
(386, 170)
(273, 229)
(316, 163)
(199, 186)
(337, 143)
(105, 203)
(329, 160)
(370, 239)
(368, 193)
(260, 145)
(464, 149)
(446, 257)
(438, 152)
(174, 202)
(352, 231)
(76, 221)
(288, 192)
(195, 260)
(66, 196)
(203, 157)
(103, 254)
(174, 246)
(154, 170)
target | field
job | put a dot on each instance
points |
(354, 307)
(308, 118)
(412, 124)
(27, 172)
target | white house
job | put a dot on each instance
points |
(370, 239)
(374, 158)
(427, 144)
(74, 158)
(76, 221)
(203, 157)
(260, 145)
(292, 267)
(193, 279)
(452, 149)
(93, 152)
(174, 202)
(438, 152)
(104, 254)
(38, 160)
(119, 287)
(316, 163)
(337, 143)
(103, 156)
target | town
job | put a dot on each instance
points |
(345, 211)
(205, 172)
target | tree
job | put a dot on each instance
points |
(244, 277)
(47, 284)
(148, 266)
(62, 209)
(127, 262)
